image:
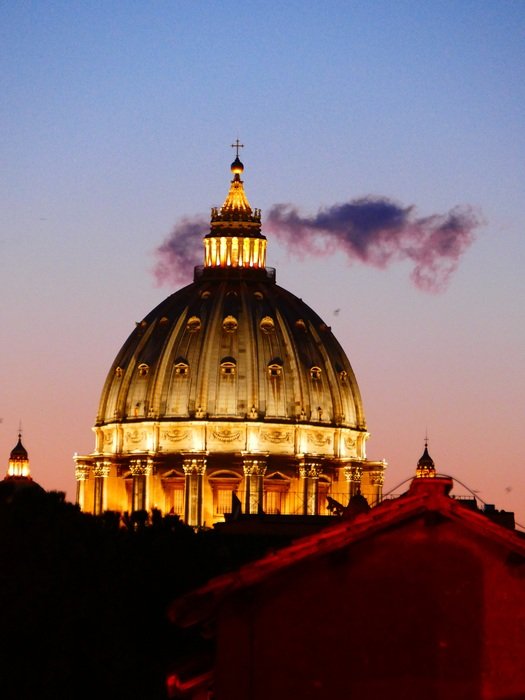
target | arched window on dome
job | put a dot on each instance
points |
(275, 368)
(315, 373)
(182, 368)
(178, 392)
(143, 369)
(228, 367)
(226, 403)
(275, 396)
(300, 325)
(193, 324)
(267, 325)
(230, 324)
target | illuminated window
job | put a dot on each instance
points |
(138, 497)
(223, 485)
(182, 369)
(193, 324)
(267, 325)
(143, 370)
(276, 491)
(223, 502)
(275, 369)
(178, 501)
(315, 373)
(230, 324)
(228, 366)
(275, 502)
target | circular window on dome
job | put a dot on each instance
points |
(258, 295)
(315, 373)
(119, 372)
(143, 369)
(267, 325)
(193, 324)
(206, 294)
(301, 325)
(164, 320)
(343, 376)
(230, 324)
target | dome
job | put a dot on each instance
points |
(232, 347)
(230, 385)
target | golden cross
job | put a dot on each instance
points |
(237, 145)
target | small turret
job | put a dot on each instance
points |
(425, 466)
(19, 461)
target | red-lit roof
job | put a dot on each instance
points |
(425, 495)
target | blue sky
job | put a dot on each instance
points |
(115, 122)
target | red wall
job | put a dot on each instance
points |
(426, 610)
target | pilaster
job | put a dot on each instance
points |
(100, 472)
(254, 470)
(310, 471)
(194, 469)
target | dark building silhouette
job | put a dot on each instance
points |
(421, 597)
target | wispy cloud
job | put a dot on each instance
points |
(373, 230)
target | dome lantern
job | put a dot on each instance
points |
(235, 239)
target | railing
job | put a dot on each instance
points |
(293, 503)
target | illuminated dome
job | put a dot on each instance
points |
(231, 384)
(232, 345)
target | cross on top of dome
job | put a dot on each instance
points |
(237, 145)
